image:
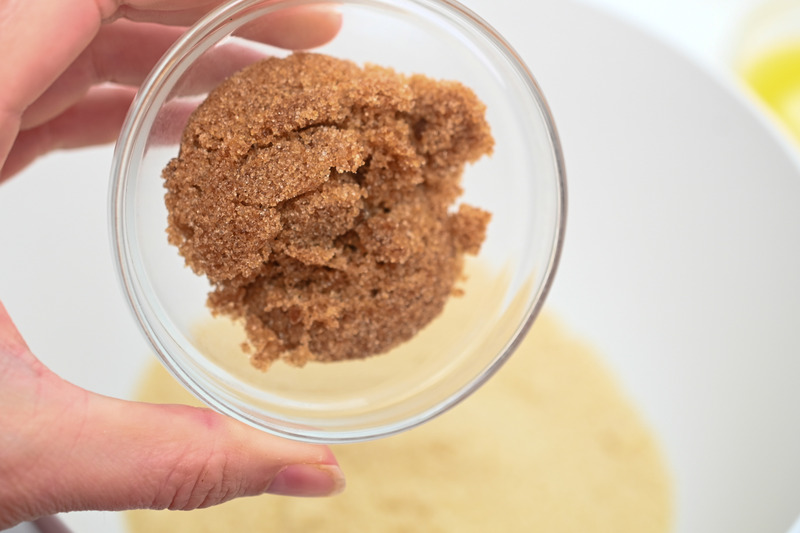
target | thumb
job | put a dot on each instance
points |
(127, 454)
(66, 449)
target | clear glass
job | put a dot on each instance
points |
(522, 184)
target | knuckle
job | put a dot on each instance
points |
(107, 9)
(199, 479)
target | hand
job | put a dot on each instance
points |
(54, 90)
(63, 448)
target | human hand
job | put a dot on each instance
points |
(63, 448)
(76, 64)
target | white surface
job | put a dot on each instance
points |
(707, 31)
(681, 261)
(57, 278)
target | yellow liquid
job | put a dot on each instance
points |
(551, 444)
(775, 77)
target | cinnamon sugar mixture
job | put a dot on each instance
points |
(316, 197)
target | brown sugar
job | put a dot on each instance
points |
(318, 198)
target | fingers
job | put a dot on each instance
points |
(173, 12)
(102, 453)
(122, 53)
(295, 28)
(317, 24)
(35, 63)
(45, 37)
(48, 37)
(192, 458)
(68, 449)
(96, 119)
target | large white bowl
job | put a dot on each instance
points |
(681, 263)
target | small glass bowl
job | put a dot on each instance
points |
(522, 184)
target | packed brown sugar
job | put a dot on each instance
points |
(318, 199)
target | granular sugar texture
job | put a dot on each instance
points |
(317, 197)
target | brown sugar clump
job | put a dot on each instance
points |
(316, 197)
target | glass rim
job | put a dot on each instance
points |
(159, 336)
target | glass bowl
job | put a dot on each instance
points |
(522, 184)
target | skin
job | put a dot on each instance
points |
(68, 84)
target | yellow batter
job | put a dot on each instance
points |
(774, 75)
(550, 445)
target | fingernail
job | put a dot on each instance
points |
(308, 480)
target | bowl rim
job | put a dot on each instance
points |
(124, 257)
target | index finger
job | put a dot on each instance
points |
(292, 28)
(29, 27)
